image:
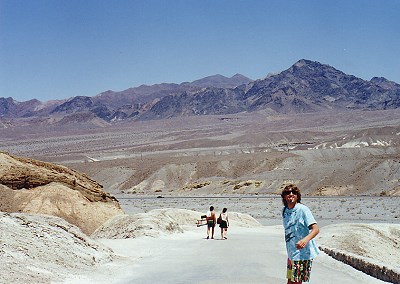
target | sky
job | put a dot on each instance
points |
(57, 49)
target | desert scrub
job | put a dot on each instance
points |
(241, 184)
(197, 185)
(230, 182)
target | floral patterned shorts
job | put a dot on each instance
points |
(299, 270)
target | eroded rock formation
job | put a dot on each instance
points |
(32, 186)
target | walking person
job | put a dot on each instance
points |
(300, 230)
(224, 223)
(211, 220)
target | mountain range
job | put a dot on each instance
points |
(307, 86)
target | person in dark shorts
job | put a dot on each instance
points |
(211, 220)
(300, 230)
(224, 224)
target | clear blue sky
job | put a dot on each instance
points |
(55, 49)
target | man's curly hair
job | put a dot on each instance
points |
(294, 189)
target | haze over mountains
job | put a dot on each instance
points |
(305, 87)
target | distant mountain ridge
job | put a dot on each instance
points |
(220, 81)
(110, 105)
(307, 86)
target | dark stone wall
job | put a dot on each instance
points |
(381, 272)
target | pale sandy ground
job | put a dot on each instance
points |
(250, 255)
(165, 246)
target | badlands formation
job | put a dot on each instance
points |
(119, 204)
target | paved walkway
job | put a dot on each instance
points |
(255, 255)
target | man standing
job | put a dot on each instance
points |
(211, 220)
(300, 230)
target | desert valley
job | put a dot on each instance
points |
(84, 198)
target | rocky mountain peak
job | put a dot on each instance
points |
(7, 106)
(378, 80)
(308, 69)
(385, 83)
(78, 103)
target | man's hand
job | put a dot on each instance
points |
(301, 244)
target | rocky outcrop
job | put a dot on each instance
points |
(24, 173)
(32, 186)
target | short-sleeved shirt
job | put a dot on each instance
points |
(296, 222)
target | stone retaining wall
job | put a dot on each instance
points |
(380, 271)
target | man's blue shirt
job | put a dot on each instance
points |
(296, 222)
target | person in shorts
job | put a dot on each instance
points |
(300, 230)
(224, 224)
(211, 220)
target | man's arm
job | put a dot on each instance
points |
(314, 230)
